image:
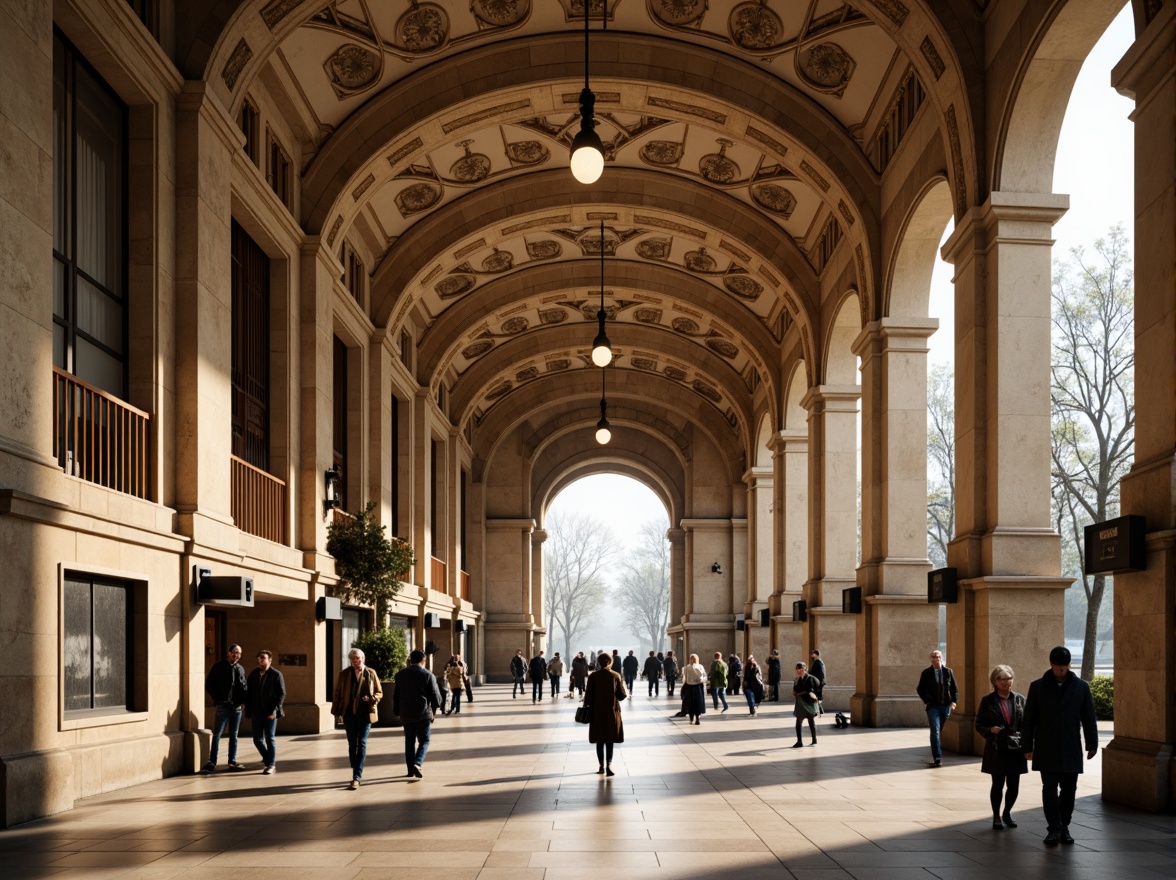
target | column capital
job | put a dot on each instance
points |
(905, 334)
(1023, 218)
(538, 536)
(1149, 61)
(831, 398)
(676, 536)
(758, 477)
(788, 441)
(196, 97)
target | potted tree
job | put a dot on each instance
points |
(371, 569)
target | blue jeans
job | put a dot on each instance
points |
(520, 687)
(264, 732)
(536, 690)
(416, 732)
(936, 716)
(555, 691)
(358, 727)
(456, 707)
(230, 716)
(750, 695)
(720, 694)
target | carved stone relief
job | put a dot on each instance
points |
(423, 28)
(678, 13)
(472, 167)
(743, 287)
(544, 249)
(654, 248)
(754, 27)
(722, 347)
(662, 153)
(553, 316)
(775, 198)
(516, 325)
(455, 285)
(826, 67)
(500, 13)
(416, 198)
(353, 69)
(476, 349)
(648, 315)
(527, 153)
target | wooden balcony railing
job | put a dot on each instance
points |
(98, 437)
(258, 501)
(466, 591)
(437, 570)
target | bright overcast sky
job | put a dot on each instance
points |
(1094, 166)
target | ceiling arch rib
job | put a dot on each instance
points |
(553, 476)
(628, 197)
(553, 290)
(547, 351)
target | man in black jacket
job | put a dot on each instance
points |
(670, 671)
(775, 674)
(652, 673)
(226, 686)
(415, 699)
(1058, 705)
(629, 667)
(538, 676)
(817, 671)
(937, 689)
(518, 671)
(263, 707)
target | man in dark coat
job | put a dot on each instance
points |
(518, 671)
(937, 689)
(774, 675)
(579, 674)
(538, 676)
(670, 671)
(227, 687)
(630, 666)
(416, 698)
(263, 707)
(1058, 706)
(817, 671)
(652, 673)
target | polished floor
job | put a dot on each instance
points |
(510, 793)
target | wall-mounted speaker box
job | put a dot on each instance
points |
(225, 590)
(765, 617)
(459, 626)
(740, 623)
(328, 608)
(1116, 545)
(942, 586)
(851, 601)
(799, 611)
(432, 620)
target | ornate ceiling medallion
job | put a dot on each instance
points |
(722, 347)
(455, 285)
(678, 13)
(674, 373)
(476, 349)
(527, 375)
(558, 365)
(662, 153)
(706, 391)
(774, 198)
(418, 197)
(544, 249)
(754, 27)
(700, 261)
(423, 28)
(685, 326)
(553, 316)
(743, 287)
(654, 248)
(648, 315)
(498, 390)
(500, 13)
(353, 69)
(826, 67)
(499, 261)
(472, 167)
(716, 167)
(516, 325)
(527, 153)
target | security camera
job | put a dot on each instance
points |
(716, 568)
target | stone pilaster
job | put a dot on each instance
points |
(897, 628)
(510, 621)
(1006, 552)
(1139, 767)
(790, 547)
(833, 517)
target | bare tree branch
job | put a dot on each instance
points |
(577, 551)
(643, 593)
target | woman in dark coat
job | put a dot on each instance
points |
(999, 720)
(602, 698)
(734, 673)
(753, 683)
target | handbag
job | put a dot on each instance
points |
(1012, 740)
(582, 714)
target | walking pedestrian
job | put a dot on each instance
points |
(817, 671)
(652, 673)
(356, 695)
(416, 698)
(455, 674)
(734, 674)
(693, 693)
(263, 707)
(718, 681)
(753, 683)
(226, 686)
(602, 698)
(579, 674)
(518, 672)
(1000, 719)
(670, 671)
(775, 675)
(538, 670)
(804, 691)
(937, 689)
(629, 667)
(555, 671)
(1059, 707)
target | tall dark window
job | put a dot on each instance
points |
(340, 418)
(89, 224)
(462, 522)
(251, 350)
(434, 500)
(98, 645)
(395, 465)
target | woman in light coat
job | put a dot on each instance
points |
(694, 689)
(602, 698)
(455, 674)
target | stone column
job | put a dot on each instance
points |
(422, 479)
(507, 578)
(897, 629)
(677, 539)
(760, 483)
(538, 537)
(1006, 552)
(833, 533)
(790, 549)
(1139, 767)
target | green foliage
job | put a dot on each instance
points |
(385, 650)
(369, 564)
(1102, 688)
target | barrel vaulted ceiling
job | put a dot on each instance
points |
(741, 156)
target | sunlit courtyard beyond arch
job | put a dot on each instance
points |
(510, 793)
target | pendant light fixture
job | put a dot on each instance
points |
(601, 347)
(587, 149)
(603, 432)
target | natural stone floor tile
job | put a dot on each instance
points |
(510, 794)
